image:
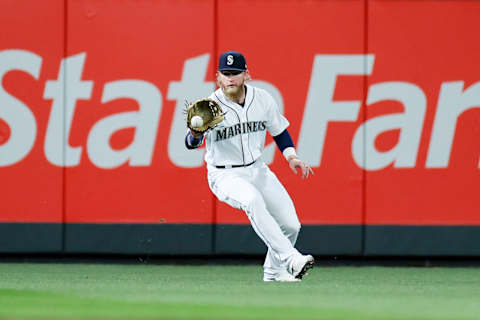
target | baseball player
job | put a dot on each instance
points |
(237, 174)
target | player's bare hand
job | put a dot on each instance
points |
(296, 164)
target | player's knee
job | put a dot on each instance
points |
(292, 228)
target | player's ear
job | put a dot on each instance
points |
(247, 76)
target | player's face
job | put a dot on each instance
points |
(231, 81)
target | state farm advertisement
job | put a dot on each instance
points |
(385, 110)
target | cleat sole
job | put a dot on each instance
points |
(306, 267)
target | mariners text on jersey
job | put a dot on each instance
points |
(240, 128)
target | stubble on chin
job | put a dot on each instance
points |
(232, 92)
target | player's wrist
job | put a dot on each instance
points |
(290, 153)
(196, 134)
(291, 158)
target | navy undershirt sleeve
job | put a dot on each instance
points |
(283, 140)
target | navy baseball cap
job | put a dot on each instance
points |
(232, 60)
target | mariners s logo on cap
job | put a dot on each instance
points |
(232, 60)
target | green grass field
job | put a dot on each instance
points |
(116, 291)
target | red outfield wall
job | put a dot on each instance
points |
(383, 99)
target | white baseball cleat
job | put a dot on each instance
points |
(300, 265)
(282, 277)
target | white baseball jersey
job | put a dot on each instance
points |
(240, 138)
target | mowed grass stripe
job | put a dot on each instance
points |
(91, 291)
(37, 304)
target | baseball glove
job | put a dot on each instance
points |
(203, 115)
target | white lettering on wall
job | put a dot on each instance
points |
(452, 102)
(145, 121)
(320, 112)
(18, 116)
(68, 83)
(320, 108)
(410, 123)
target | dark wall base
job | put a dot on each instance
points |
(205, 239)
(31, 237)
(138, 238)
(422, 241)
(321, 240)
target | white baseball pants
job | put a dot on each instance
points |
(257, 191)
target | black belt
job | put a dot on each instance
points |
(235, 165)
